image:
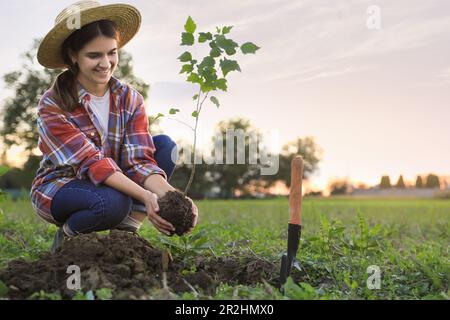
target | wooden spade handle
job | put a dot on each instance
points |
(295, 195)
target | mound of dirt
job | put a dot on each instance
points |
(177, 209)
(129, 265)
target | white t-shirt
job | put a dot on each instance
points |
(100, 106)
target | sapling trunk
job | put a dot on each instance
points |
(198, 110)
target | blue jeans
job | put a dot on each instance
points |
(86, 208)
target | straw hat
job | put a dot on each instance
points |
(79, 14)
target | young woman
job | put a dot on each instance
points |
(101, 169)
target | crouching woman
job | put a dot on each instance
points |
(101, 169)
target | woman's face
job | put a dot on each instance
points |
(98, 60)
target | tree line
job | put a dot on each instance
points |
(431, 181)
(344, 186)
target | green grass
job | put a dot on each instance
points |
(407, 239)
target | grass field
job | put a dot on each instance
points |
(407, 239)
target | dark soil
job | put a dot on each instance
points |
(129, 265)
(177, 209)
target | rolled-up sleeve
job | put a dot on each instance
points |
(137, 151)
(66, 145)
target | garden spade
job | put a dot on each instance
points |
(295, 220)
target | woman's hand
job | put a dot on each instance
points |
(195, 213)
(151, 204)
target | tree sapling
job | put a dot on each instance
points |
(175, 207)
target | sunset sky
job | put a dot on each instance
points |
(377, 101)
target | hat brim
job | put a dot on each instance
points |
(126, 17)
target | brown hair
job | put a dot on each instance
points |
(64, 84)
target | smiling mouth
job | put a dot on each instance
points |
(103, 72)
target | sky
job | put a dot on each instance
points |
(374, 93)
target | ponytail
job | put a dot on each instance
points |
(65, 88)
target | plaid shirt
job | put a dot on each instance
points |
(74, 146)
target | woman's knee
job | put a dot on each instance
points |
(118, 206)
(166, 147)
(163, 141)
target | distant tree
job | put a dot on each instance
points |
(13, 179)
(308, 149)
(314, 194)
(362, 186)
(339, 186)
(385, 182)
(400, 183)
(226, 178)
(432, 181)
(419, 182)
(233, 177)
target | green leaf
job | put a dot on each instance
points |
(187, 39)
(103, 294)
(194, 78)
(186, 68)
(221, 84)
(190, 25)
(203, 36)
(207, 62)
(227, 44)
(213, 44)
(42, 295)
(169, 242)
(174, 111)
(185, 57)
(206, 87)
(194, 114)
(206, 71)
(228, 66)
(209, 74)
(195, 97)
(203, 246)
(198, 235)
(226, 30)
(3, 289)
(79, 295)
(249, 47)
(200, 242)
(230, 51)
(215, 52)
(215, 101)
(160, 115)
